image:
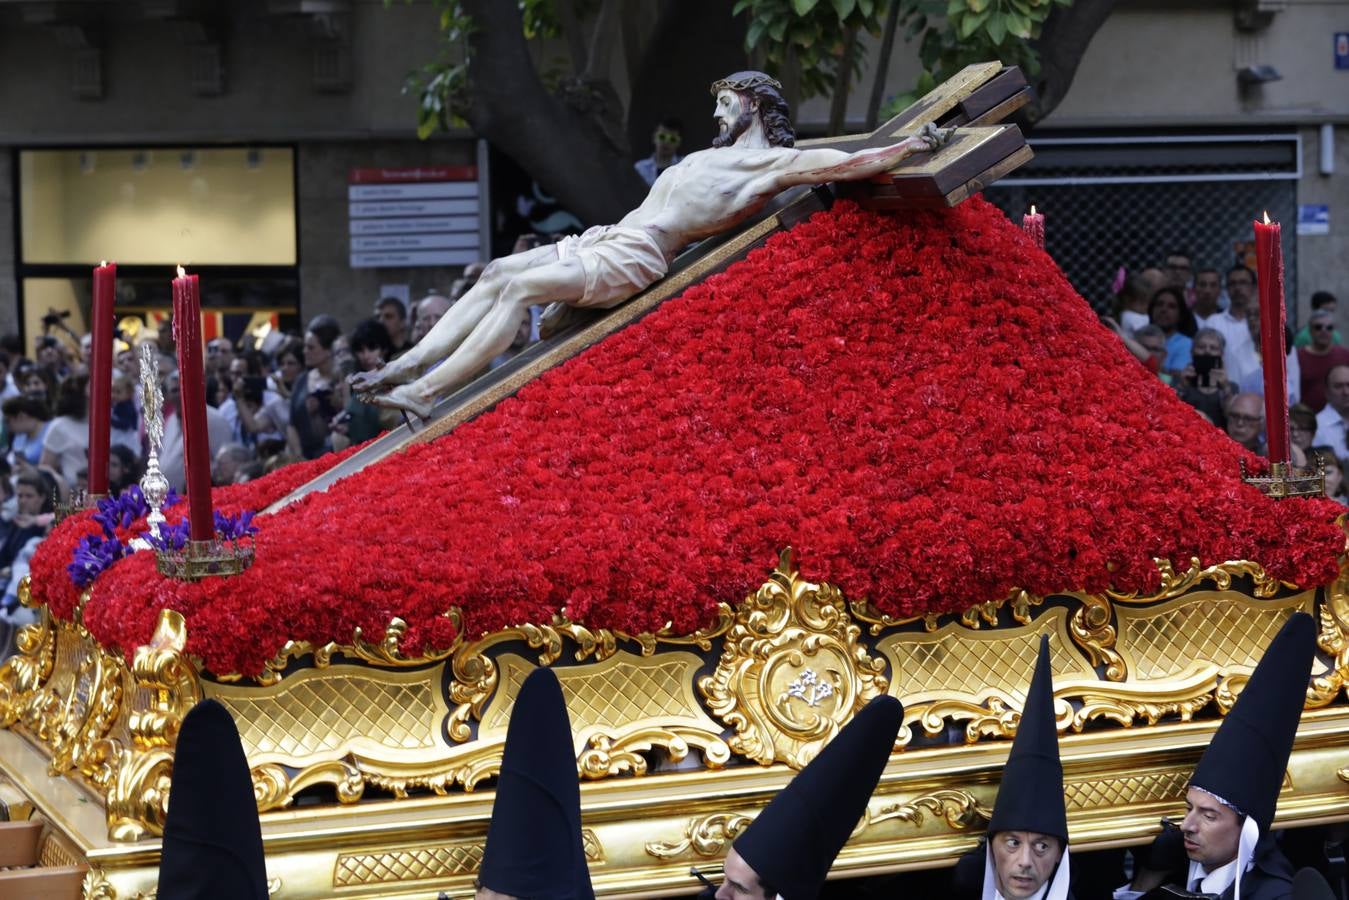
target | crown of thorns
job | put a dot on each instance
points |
(745, 81)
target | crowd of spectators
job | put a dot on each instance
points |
(1199, 331)
(270, 403)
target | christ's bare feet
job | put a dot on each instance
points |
(405, 397)
(385, 376)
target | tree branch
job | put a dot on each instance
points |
(882, 66)
(571, 31)
(568, 153)
(604, 40)
(1062, 43)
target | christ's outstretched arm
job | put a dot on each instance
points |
(821, 165)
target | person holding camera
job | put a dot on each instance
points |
(256, 413)
(1319, 356)
(318, 395)
(1204, 383)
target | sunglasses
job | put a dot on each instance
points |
(1323, 327)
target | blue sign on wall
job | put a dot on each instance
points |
(1342, 49)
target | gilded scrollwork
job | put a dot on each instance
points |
(1333, 639)
(705, 836)
(167, 687)
(792, 670)
(959, 809)
(275, 788)
(79, 731)
(384, 652)
(23, 675)
(1092, 630)
(1174, 583)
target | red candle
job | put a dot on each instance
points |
(100, 376)
(1033, 223)
(192, 405)
(1273, 349)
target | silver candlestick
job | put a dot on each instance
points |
(154, 485)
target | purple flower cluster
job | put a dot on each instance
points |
(92, 556)
(95, 553)
(124, 509)
(232, 528)
(170, 537)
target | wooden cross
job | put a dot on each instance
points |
(980, 152)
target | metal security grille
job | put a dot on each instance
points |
(1115, 202)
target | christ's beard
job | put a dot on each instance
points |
(737, 128)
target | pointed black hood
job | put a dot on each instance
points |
(534, 842)
(1245, 763)
(212, 839)
(793, 842)
(1030, 797)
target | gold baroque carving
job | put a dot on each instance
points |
(955, 675)
(1333, 639)
(1174, 583)
(386, 652)
(959, 809)
(792, 670)
(275, 788)
(167, 687)
(622, 707)
(1091, 630)
(706, 836)
(23, 675)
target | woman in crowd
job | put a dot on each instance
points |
(1169, 313)
(1335, 486)
(26, 422)
(124, 469)
(318, 394)
(289, 367)
(371, 347)
(1302, 428)
(66, 448)
(39, 384)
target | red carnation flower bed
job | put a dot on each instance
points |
(921, 406)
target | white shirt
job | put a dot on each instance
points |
(1215, 882)
(1234, 331)
(1132, 321)
(1247, 372)
(171, 454)
(1330, 431)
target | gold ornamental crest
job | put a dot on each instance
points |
(792, 670)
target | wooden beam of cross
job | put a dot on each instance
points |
(980, 152)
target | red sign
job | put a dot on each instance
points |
(411, 175)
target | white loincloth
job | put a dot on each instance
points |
(618, 262)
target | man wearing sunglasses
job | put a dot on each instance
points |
(1319, 357)
(665, 141)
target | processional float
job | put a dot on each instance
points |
(373, 749)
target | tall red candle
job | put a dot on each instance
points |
(1273, 348)
(1033, 223)
(192, 405)
(100, 375)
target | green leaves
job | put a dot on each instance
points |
(808, 35)
(973, 31)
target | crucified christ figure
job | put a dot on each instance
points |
(710, 191)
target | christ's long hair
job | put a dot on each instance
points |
(773, 111)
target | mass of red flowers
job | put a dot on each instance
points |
(920, 405)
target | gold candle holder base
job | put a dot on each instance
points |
(1284, 481)
(205, 559)
(78, 502)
